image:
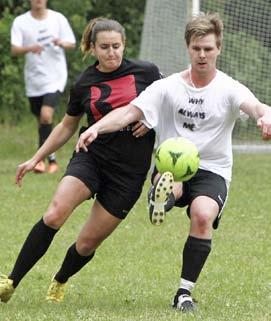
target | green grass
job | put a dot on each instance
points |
(136, 271)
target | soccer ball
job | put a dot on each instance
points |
(179, 156)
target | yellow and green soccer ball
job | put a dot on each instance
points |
(179, 156)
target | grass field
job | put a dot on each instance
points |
(136, 271)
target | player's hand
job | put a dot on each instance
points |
(22, 169)
(264, 123)
(57, 42)
(140, 129)
(85, 139)
(37, 49)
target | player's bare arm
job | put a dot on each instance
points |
(19, 51)
(64, 44)
(262, 113)
(113, 121)
(58, 137)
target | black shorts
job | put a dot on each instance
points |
(50, 99)
(204, 183)
(115, 189)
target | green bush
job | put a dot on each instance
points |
(12, 97)
(13, 103)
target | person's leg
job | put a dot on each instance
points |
(117, 193)
(70, 193)
(203, 212)
(206, 195)
(49, 104)
(45, 128)
(35, 106)
(98, 227)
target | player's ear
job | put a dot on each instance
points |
(124, 47)
(92, 50)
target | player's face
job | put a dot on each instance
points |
(38, 4)
(108, 49)
(203, 52)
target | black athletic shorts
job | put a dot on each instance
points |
(50, 99)
(204, 183)
(117, 190)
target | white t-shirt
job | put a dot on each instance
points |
(205, 115)
(45, 72)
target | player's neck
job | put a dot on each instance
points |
(39, 14)
(198, 80)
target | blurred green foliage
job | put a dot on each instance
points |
(247, 42)
(13, 103)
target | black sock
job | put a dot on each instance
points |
(44, 132)
(195, 254)
(73, 262)
(34, 247)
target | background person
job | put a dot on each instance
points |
(202, 104)
(42, 35)
(114, 169)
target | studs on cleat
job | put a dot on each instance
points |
(158, 196)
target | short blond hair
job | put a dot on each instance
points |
(205, 24)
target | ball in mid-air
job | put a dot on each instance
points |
(179, 156)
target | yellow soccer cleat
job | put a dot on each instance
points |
(158, 197)
(6, 288)
(56, 292)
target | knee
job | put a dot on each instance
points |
(44, 120)
(202, 222)
(55, 215)
(86, 246)
(46, 117)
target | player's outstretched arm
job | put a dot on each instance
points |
(58, 137)
(262, 114)
(113, 121)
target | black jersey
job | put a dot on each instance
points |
(96, 94)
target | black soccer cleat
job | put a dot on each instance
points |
(158, 196)
(184, 303)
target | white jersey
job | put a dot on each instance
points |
(45, 72)
(204, 115)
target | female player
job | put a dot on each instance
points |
(113, 169)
